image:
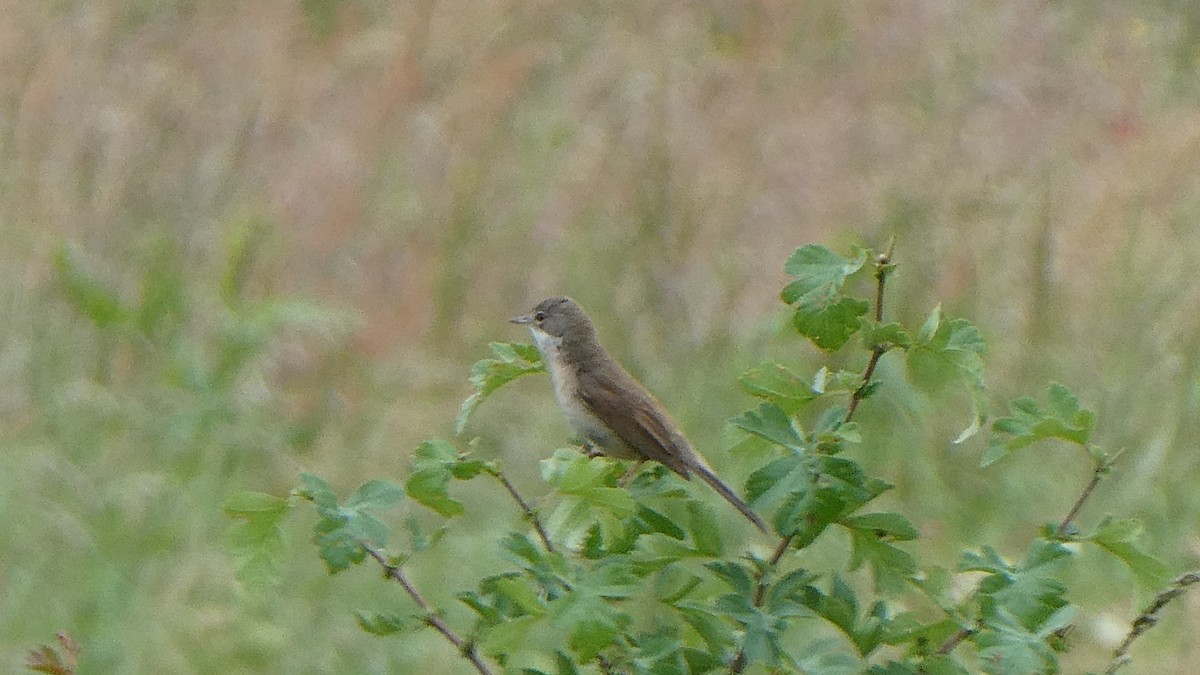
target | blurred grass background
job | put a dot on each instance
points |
(244, 240)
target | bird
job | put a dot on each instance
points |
(613, 413)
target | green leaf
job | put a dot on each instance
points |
(930, 328)
(705, 534)
(433, 466)
(1029, 423)
(511, 361)
(885, 334)
(808, 511)
(763, 635)
(776, 384)
(316, 490)
(386, 623)
(891, 566)
(256, 542)
(736, 575)
(1006, 647)
(826, 657)
(1028, 592)
(585, 482)
(830, 327)
(822, 314)
(711, 628)
(1117, 536)
(946, 351)
(819, 274)
(825, 382)
(341, 530)
(769, 421)
(430, 487)
(591, 620)
(884, 525)
(774, 482)
(510, 635)
(375, 494)
(519, 593)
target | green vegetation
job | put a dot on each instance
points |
(637, 578)
(244, 242)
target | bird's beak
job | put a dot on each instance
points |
(522, 320)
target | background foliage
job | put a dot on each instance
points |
(248, 241)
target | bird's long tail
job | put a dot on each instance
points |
(730, 496)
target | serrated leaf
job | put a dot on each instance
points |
(375, 494)
(511, 361)
(892, 567)
(819, 274)
(885, 334)
(517, 591)
(830, 327)
(430, 488)
(769, 421)
(953, 353)
(435, 462)
(341, 530)
(734, 574)
(884, 525)
(761, 640)
(317, 490)
(775, 481)
(710, 627)
(1029, 423)
(510, 635)
(591, 620)
(1028, 593)
(386, 623)
(657, 522)
(1117, 536)
(778, 385)
(705, 534)
(1006, 647)
(807, 512)
(1042, 552)
(256, 542)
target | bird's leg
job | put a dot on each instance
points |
(590, 448)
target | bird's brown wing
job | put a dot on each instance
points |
(650, 432)
(646, 430)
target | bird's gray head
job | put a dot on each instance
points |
(559, 317)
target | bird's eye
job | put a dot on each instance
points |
(539, 316)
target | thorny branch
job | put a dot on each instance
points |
(394, 572)
(1149, 618)
(530, 515)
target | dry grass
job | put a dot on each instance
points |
(437, 166)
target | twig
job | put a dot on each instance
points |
(952, 642)
(1149, 618)
(530, 515)
(1064, 526)
(883, 266)
(394, 572)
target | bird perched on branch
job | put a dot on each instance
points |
(605, 405)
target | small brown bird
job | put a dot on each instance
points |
(605, 405)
